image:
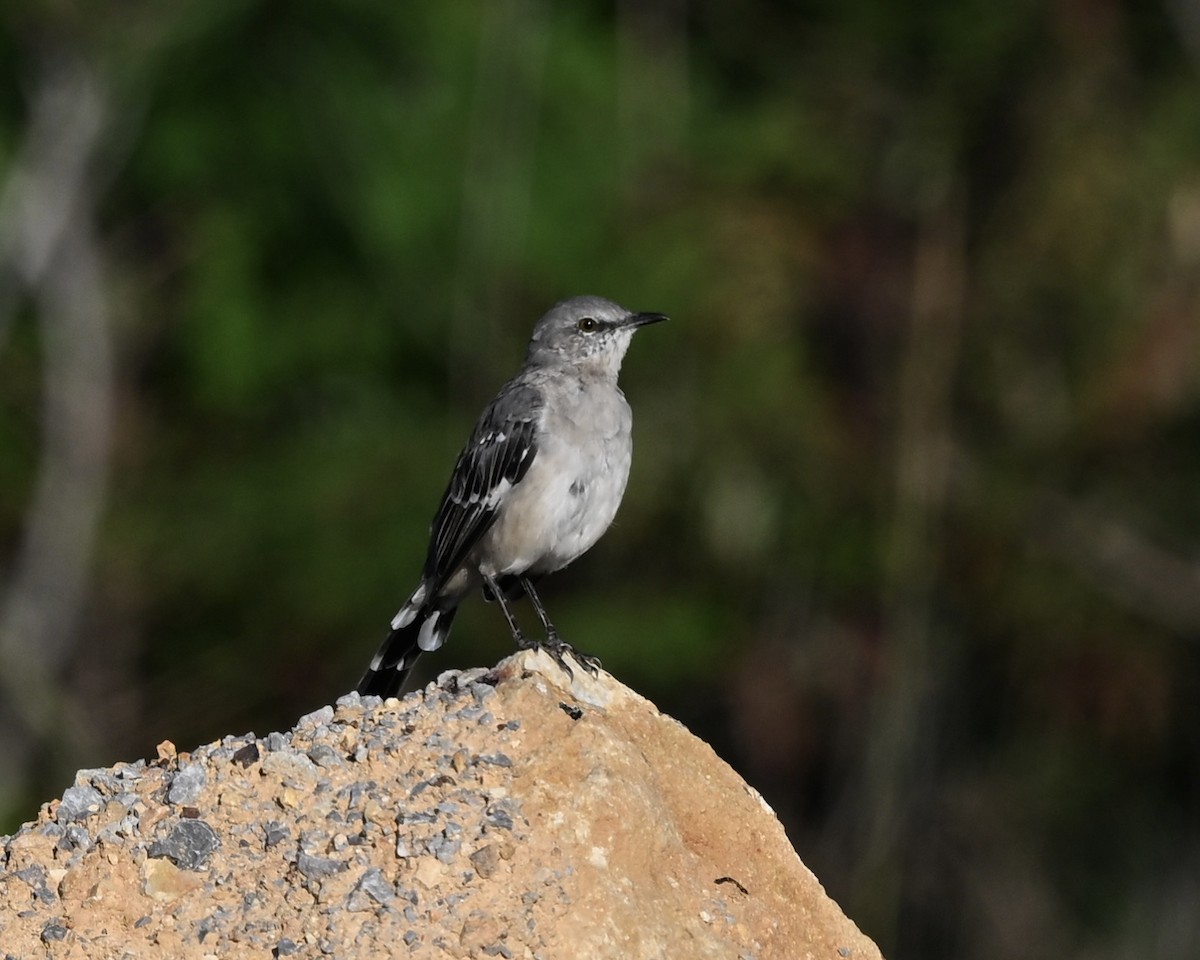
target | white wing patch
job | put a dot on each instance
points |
(490, 498)
(496, 494)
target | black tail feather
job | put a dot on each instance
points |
(389, 669)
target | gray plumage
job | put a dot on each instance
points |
(538, 482)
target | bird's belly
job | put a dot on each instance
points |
(584, 517)
(558, 511)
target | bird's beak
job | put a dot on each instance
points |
(643, 319)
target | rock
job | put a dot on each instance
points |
(372, 889)
(486, 860)
(188, 845)
(516, 812)
(79, 802)
(35, 876)
(246, 755)
(162, 880)
(317, 868)
(187, 784)
(53, 931)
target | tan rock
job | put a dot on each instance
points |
(511, 813)
(162, 880)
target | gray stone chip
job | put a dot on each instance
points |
(187, 784)
(372, 888)
(53, 931)
(79, 803)
(35, 876)
(189, 845)
(317, 868)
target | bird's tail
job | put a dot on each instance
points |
(420, 625)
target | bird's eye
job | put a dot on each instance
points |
(587, 325)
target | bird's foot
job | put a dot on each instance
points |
(590, 664)
(559, 650)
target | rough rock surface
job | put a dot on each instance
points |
(504, 813)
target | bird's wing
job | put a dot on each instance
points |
(499, 452)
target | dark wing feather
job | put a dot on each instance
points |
(499, 452)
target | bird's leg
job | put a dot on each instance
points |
(555, 645)
(518, 636)
(552, 637)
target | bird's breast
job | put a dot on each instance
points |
(572, 490)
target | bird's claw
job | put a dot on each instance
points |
(590, 664)
(559, 650)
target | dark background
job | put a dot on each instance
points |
(911, 535)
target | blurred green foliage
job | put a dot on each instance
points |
(912, 525)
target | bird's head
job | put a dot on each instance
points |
(586, 332)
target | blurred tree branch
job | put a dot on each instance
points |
(48, 253)
(497, 186)
(1186, 16)
(1121, 563)
(653, 85)
(900, 745)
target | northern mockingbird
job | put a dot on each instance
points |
(538, 482)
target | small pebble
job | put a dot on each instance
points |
(485, 860)
(316, 718)
(446, 850)
(323, 755)
(187, 784)
(35, 876)
(371, 886)
(189, 845)
(275, 832)
(53, 931)
(78, 837)
(78, 803)
(316, 868)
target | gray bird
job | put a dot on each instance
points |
(538, 482)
